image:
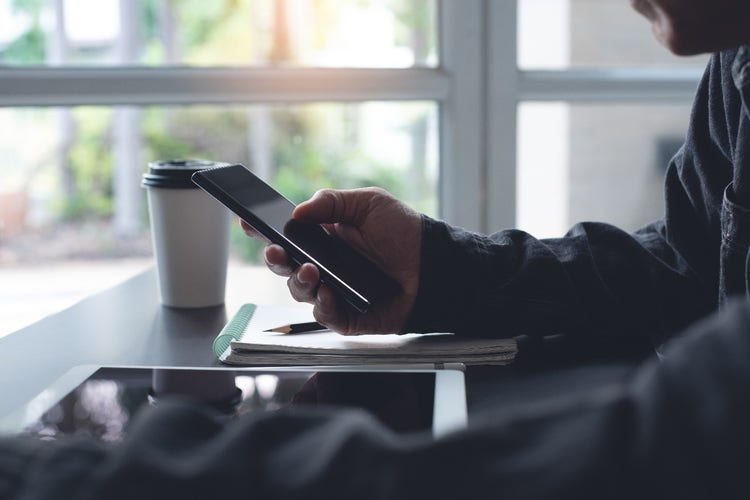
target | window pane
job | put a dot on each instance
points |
(601, 162)
(70, 192)
(325, 33)
(556, 34)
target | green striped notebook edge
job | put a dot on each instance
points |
(233, 329)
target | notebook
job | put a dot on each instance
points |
(243, 341)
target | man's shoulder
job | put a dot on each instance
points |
(727, 58)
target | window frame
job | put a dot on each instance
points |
(477, 87)
(508, 86)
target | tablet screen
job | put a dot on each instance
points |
(105, 403)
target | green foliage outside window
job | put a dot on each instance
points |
(310, 146)
(89, 164)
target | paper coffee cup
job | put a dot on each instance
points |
(190, 233)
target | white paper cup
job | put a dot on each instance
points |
(190, 232)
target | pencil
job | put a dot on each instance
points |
(312, 326)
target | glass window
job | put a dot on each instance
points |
(555, 34)
(321, 33)
(70, 193)
(601, 162)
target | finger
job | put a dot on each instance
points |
(331, 312)
(303, 283)
(252, 232)
(278, 260)
(331, 205)
(643, 7)
(249, 230)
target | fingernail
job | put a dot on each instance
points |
(302, 283)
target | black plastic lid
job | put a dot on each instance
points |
(175, 174)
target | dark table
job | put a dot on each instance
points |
(126, 326)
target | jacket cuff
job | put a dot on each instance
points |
(452, 262)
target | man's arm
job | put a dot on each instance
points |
(597, 280)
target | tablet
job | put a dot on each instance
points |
(101, 400)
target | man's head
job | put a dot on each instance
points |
(693, 26)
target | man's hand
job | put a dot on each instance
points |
(377, 225)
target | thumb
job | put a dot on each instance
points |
(350, 206)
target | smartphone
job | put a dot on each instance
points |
(350, 274)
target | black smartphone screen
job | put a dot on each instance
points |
(349, 273)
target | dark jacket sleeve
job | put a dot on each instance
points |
(597, 280)
(678, 429)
